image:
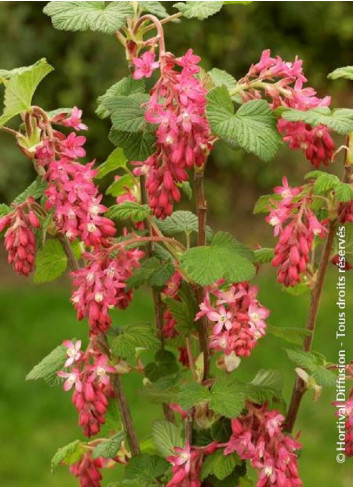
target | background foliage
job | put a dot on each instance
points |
(35, 319)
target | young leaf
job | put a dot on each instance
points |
(264, 202)
(219, 464)
(343, 72)
(179, 222)
(224, 258)
(108, 448)
(129, 210)
(123, 88)
(183, 310)
(266, 386)
(227, 397)
(114, 161)
(137, 146)
(295, 336)
(20, 88)
(119, 186)
(253, 126)
(166, 437)
(198, 10)
(132, 337)
(69, 454)
(165, 389)
(152, 272)
(146, 468)
(325, 183)
(48, 367)
(340, 120)
(128, 113)
(4, 210)
(303, 359)
(82, 16)
(51, 262)
(344, 192)
(324, 377)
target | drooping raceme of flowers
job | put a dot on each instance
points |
(282, 82)
(296, 225)
(238, 319)
(258, 436)
(71, 191)
(87, 470)
(20, 242)
(101, 285)
(177, 106)
(89, 374)
(187, 463)
(171, 290)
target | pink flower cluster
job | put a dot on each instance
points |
(71, 191)
(238, 318)
(87, 470)
(88, 372)
(177, 106)
(101, 285)
(283, 83)
(258, 437)
(187, 463)
(20, 242)
(297, 226)
(349, 425)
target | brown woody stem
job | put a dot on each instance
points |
(73, 263)
(201, 206)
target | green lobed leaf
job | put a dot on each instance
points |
(109, 448)
(324, 377)
(303, 359)
(266, 386)
(253, 126)
(145, 467)
(69, 454)
(124, 87)
(340, 120)
(137, 146)
(48, 366)
(128, 113)
(154, 8)
(134, 336)
(264, 202)
(129, 210)
(224, 258)
(227, 396)
(165, 364)
(165, 389)
(114, 161)
(294, 336)
(221, 77)
(219, 464)
(20, 87)
(107, 17)
(325, 183)
(4, 210)
(198, 10)
(51, 262)
(344, 192)
(263, 255)
(343, 72)
(183, 310)
(119, 186)
(152, 272)
(166, 437)
(191, 394)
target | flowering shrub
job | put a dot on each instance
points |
(166, 117)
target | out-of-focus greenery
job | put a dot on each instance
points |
(36, 419)
(88, 63)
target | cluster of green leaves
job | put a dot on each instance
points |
(324, 183)
(315, 364)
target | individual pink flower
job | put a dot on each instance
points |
(145, 65)
(74, 120)
(72, 147)
(101, 370)
(73, 352)
(72, 379)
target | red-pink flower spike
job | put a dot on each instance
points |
(87, 470)
(171, 290)
(258, 436)
(238, 318)
(101, 285)
(177, 105)
(297, 226)
(71, 191)
(282, 82)
(20, 242)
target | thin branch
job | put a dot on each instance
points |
(126, 416)
(201, 205)
(73, 263)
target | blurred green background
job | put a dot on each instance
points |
(34, 419)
